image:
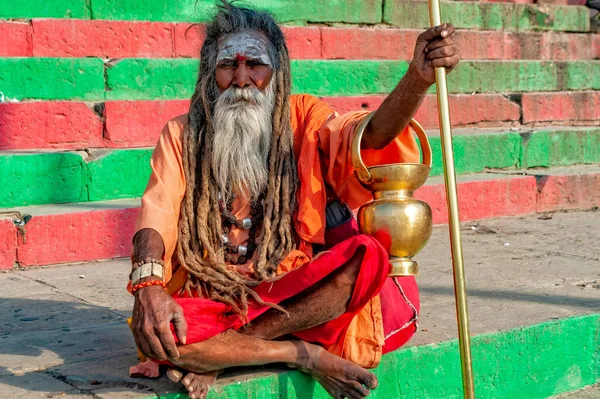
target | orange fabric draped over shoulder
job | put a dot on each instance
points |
(322, 141)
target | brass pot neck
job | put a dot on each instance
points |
(393, 194)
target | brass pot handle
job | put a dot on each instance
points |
(362, 172)
(424, 140)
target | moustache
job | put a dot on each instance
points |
(249, 95)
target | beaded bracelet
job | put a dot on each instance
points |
(147, 284)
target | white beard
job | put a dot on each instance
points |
(243, 126)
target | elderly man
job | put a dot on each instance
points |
(246, 252)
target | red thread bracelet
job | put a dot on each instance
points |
(147, 284)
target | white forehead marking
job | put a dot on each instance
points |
(248, 44)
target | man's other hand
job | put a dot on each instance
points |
(153, 312)
(434, 48)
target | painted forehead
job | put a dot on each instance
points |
(244, 44)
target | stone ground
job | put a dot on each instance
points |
(592, 392)
(63, 332)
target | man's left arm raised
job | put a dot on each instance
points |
(434, 48)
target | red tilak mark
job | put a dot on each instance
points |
(240, 58)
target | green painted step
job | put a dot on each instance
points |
(490, 16)
(51, 178)
(406, 14)
(42, 179)
(530, 362)
(152, 79)
(542, 148)
(119, 174)
(55, 178)
(45, 9)
(349, 11)
(171, 79)
(286, 11)
(52, 78)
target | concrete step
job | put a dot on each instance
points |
(533, 306)
(137, 39)
(591, 392)
(38, 177)
(91, 79)
(413, 14)
(102, 230)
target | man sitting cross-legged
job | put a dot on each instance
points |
(246, 220)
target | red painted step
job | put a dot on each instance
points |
(139, 39)
(73, 125)
(88, 231)
(573, 108)
(70, 233)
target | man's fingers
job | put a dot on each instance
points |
(446, 62)
(168, 342)
(156, 348)
(437, 43)
(145, 347)
(442, 52)
(180, 325)
(443, 30)
(448, 30)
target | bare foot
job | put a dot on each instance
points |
(197, 385)
(341, 378)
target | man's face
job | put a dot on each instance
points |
(243, 61)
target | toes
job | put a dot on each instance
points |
(186, 381)
(174, 375)
(203, 392)
(193, 390)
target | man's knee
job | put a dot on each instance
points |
(350, 270)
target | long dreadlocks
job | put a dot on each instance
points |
(199, 248)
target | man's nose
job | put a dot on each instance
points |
(242, 76)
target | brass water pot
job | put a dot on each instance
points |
(401, 223)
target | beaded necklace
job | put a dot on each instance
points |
(228, 219)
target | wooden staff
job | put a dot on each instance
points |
(460, 295)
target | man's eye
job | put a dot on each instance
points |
(254, 63)
(226, 63)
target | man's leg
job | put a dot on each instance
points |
(325, 301)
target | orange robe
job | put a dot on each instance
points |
(322, 141)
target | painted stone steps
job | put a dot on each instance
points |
(101, 230)
(532, 307)
(138, 39)
(409, 14)
(57, 177)
(122, 124)
(92, 79)
(433, 371)
(519, 295)
(36, 178)
(76, 232)
(52, 177)
(484, 16)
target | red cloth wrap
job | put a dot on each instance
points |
(206, 318)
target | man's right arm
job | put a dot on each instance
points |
(147, 243)
(154, 309)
